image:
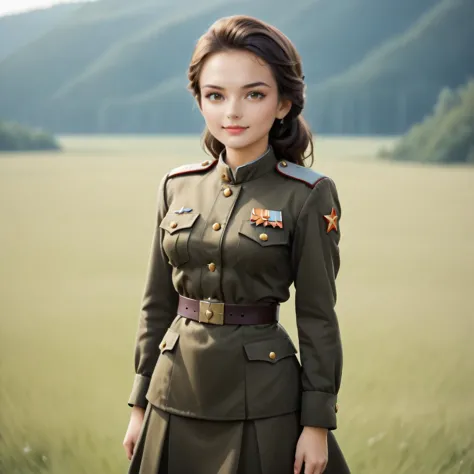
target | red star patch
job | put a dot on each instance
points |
(331, 220)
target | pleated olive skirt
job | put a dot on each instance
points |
(172, 444)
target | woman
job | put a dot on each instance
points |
(218, 387)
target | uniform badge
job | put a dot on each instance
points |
(266, 217)
(183, 210)
(331, 219)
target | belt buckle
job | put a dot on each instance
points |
(211, 313)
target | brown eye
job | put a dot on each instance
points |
(256, 95)
(213, 96)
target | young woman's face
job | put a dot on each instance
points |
(238, 89)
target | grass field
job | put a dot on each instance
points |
(75, 232)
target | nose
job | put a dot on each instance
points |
(233, 110)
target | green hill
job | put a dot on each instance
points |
(397, 84)
(16, 137)
(18, 30)
(446, 136)
(116, 66)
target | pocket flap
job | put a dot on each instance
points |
(169, 341)
(270, 350)
(174, 222)
(273, 235)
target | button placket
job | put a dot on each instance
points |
(213, 237)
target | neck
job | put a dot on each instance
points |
(236, 157)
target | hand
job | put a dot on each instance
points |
(312, 449)
(133, 430)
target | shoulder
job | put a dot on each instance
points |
(303, 174)
(193, 168)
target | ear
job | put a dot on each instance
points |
(284, 107)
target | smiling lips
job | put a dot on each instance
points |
(235, 129)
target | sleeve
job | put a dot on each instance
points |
(159, 306)
(315, 255)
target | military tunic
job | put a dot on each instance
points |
(233, 398)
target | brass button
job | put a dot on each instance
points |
(284, 164)
(163, 345)
(216, 226)
(212, 267)
(209, 314)
(225, 177)
(272, 355)
(173, 225)
(263, 237)
(205, 163)
(227, 192)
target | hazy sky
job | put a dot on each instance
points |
(14, 6)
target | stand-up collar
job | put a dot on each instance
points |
(252, 170)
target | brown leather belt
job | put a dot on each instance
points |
(206, 311)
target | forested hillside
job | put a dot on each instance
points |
(20, 29)
(372, 66)
(15, 137)
(445, 136)
(397, 84)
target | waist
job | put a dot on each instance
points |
(209, 312)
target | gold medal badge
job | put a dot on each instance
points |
(266, 217)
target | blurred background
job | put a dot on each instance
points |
(94, 111)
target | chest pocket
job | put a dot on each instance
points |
(178, 228)
(264, 236)
(266, 247)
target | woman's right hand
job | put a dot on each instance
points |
(133, 430)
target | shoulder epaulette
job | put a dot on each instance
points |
(299, 173)
(192, 168)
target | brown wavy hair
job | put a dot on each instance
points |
(289, 140)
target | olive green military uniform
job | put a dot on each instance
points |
(232, 399)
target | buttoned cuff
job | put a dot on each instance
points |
(139, 389)
(319, 409)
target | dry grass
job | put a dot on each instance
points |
(74, 241)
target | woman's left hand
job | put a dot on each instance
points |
(312, 449)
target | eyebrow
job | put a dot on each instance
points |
(247, 86)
